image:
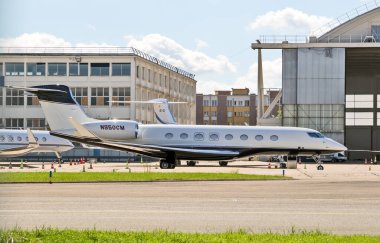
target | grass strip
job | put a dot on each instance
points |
(9, 177)
(93, 235)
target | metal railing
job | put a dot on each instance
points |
(283, 38)
(346, 17)
(93, 51)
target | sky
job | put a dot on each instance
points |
(209, 38)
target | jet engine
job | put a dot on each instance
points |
(113, 129)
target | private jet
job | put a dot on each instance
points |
(172, 142)
(15, 143)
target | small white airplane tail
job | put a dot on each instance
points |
(58, 104)
(161, 109)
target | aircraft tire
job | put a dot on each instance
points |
(165, 164)
(320, 167)
(223, 163)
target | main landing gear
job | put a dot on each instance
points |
(317, 160)
(169, 162)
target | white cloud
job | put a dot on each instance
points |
(45, 40)
(34, 40)
(201, 44)
(174, 53)
(289, 19)
(91, 27)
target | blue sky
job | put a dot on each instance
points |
(209, 38)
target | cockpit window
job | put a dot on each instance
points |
(315, 135)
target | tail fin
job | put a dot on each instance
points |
(161, 109)
(58, 105)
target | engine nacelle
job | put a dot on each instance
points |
(113, 129)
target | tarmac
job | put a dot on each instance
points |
(342, 199)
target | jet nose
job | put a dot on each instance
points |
(335, 146)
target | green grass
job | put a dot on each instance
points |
(67, 235)
(125, 176)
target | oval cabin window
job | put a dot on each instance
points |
(19, 138)
(214, 137)
(169, 135)
(259, 137)
(2, 138)
(243, 137)
(43, 139)
(184, 136)
(10, 138)
(198, 136)
(229, 137)
(274, 137)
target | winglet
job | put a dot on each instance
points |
(32, 140)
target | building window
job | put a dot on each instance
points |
(246, 114)
(206, 102)
(143, 73)
(14, 123)
(1, 69)
(184, 136)
(205, 114)
(213, 113)
(240, 103)
(274, 137)
(15, 97)
(121, 69)
(378, 101)
(198, 136)
(1, 98)
(243, 137)
(81, 95)
(78, 69)
(36, 123)
(378, 118)
(246, 103)
(35, 69)
(259, 137)
(359, 118)
(14, 69)
(57, 69)
(359, 101)
(230, 103)
(229, 113)
(169, 135)
(137, 71)
(100, 69)
(32, 100)
(214, 103)
(121, 94)
(99, 96)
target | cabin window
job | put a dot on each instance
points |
(43, 139)
(169, 135)
(315, 135)
(243, 137)
(274, 137)
(10, 138)
(198, 136)
(229, 137)
(184, 136)
(19, 138)
(2, 138)
(259, 137)
(214, 137)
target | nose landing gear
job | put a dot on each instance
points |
(317, 159)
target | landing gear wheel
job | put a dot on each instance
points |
(172, 166)
(164, 164)
(223, 163)
(190, 163)
(320, 167)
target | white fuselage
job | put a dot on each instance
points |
(12, 143)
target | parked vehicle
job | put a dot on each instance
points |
(337, 157)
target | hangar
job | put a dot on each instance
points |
(331, 79)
